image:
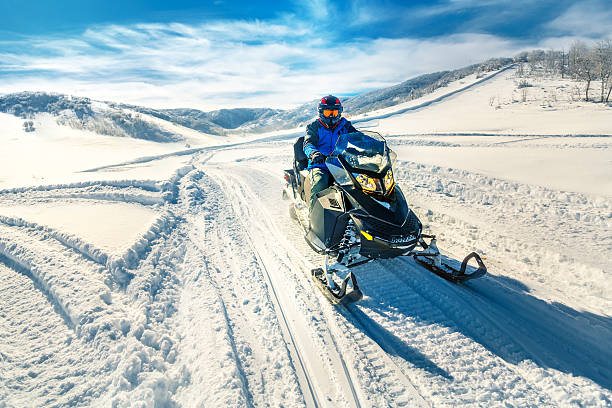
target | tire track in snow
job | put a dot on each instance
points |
(311, 374)
(15, 265)
(35, 339)
(117, 266)
(524, 342)
(419, 316)
(237, 277)
(59, 272)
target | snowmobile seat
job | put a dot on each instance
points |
(301, 161)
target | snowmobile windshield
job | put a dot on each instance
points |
(363, 151)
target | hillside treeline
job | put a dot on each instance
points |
(581, 62)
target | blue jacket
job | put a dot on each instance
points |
(323, 139)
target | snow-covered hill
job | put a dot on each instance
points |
(139, 273)
(82, 113)
(116, 119)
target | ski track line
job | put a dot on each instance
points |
(117, 265)
(302, 372)
(311, 397)
(237, 290)
(283, 312)
(199, 313)
(56, 269)
(35, 340)
(404, 394)
(147, 185)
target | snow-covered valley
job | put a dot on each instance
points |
(136, 273)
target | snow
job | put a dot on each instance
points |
(495, 106)
(112, 227)
(135, 273)
(56, 154)
(574, 169)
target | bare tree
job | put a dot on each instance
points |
(521, 57)
(602, 54)
(562, 65)
(535, 58)
(584, 64)
(576, 49)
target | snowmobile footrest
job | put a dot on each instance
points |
(338, 295)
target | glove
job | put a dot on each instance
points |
(317, 157)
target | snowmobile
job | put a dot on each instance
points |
(362, 216)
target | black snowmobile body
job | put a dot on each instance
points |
(388, 227)
(363, 215)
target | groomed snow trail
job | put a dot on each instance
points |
(329, 374)
(213, 305)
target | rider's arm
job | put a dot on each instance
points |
(312, 139)
(350, 128)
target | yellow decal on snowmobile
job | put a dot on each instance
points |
(367, 236)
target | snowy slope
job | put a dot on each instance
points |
(496, 105)
(144, 274)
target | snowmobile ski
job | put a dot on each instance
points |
(431, 259)
(452, 274)
(337, 295)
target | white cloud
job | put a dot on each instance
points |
(229, 64)
(590, 18)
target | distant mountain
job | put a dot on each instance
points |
(216, 122)
(124, 120)
(82, 113)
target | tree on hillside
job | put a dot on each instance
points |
(583, 62)
(562, 65)
(535, 58)
(602, 54)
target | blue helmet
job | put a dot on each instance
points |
(330, 111)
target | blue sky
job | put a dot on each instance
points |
(213, 54)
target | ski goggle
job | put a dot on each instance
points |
(327, 113)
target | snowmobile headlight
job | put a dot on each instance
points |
(368, 184)
(389, 182)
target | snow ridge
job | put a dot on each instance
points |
(148, 185)
(84, 248)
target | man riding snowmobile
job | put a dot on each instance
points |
(351, 210)
(321, 137)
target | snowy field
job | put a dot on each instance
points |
(181, 280)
